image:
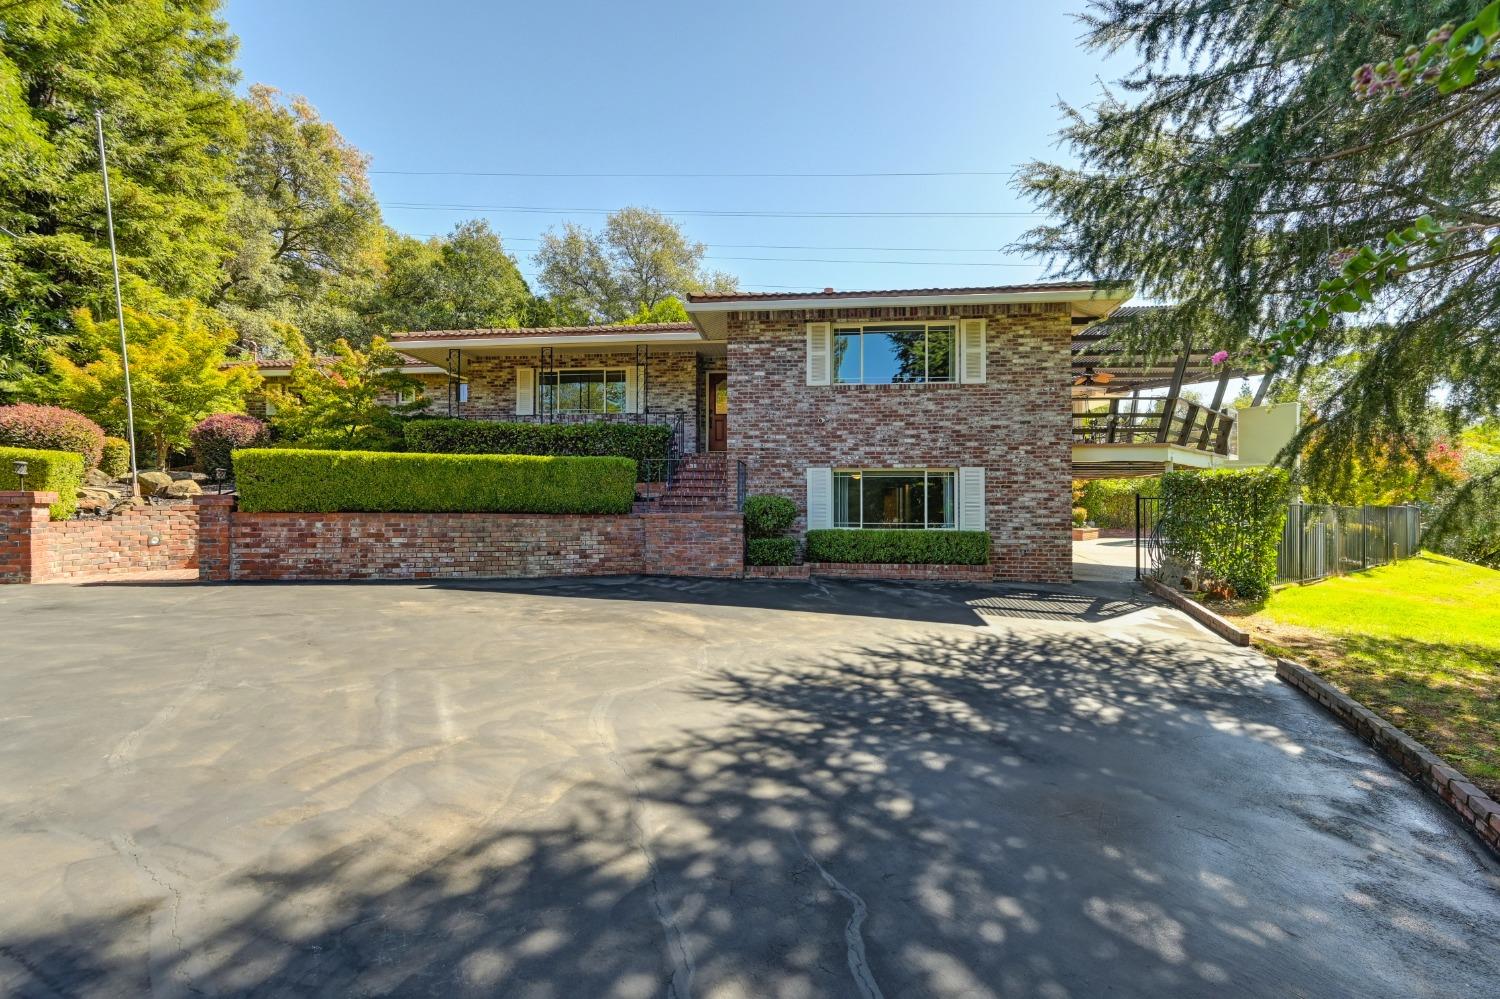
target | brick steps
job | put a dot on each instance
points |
(701, 483)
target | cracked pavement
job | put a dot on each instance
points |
(651, 787)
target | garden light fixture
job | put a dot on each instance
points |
(20, 468)
(220, 474)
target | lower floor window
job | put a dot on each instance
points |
(889, 498)
(595, 390)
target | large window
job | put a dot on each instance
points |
(584, 390)
(883, 498)
(888, 355)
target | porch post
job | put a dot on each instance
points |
(548, 405)
(1170, 406)
(1213, 416)
(642, 364)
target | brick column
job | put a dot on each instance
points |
(23, 529)
(214, 511)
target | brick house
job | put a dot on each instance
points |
(933, 409)
(928, 409)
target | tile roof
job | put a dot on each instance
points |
(828, 293)
(547, 331)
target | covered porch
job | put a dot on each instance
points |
(664, 373)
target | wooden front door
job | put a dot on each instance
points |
(718, 412)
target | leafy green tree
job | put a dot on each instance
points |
(1233, 164)
(307, 229)
(180, 372)
(668, 310)
(348, 400)
(464, 281)
(162, 75)
(639, 259)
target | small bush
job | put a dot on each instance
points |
(1080, 516)
(283, 479)
(1226, 523)
(52, 428)
(899, 547)
(216, 438)
(641, 441)
(47, 471)
(768, 516)
(115, 461)
(771, 551)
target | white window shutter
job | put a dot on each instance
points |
(819, 498)
(972, 351)
(819, 353)
(525, 391)
(633, 389)
(971, 499)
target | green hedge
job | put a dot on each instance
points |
(768, 516)
(1111, 502)
(58, 472)
(283, 479)
(1226, 523)
(908, 547)
(641, 441)
(116, 460)
(771, 551)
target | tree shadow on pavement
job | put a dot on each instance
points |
(981, 815)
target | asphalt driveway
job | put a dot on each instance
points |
(674, 788)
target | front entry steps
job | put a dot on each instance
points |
(701, 483)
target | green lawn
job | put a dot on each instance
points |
(1417, 641)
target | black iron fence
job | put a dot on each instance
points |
(1318, 540)
(1321, 540)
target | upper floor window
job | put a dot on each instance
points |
(584, 390)
(889, 355)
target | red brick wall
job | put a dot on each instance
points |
(1017, 426)
(120, 544)
(34, 549)
(433, 546)
(876, 570)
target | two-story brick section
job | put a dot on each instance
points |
(928, 409)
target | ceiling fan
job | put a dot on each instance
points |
(1092, 377)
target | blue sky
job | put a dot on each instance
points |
(694, 88)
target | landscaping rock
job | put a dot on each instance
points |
(184, 475)
(153, 483)
(94, 477)
(182, 488)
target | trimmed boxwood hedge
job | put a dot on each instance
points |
(899, 547)
(641, 441)
(768, 516)
(58, 472)
(301, 481)
(771, 551)
(1226, 523)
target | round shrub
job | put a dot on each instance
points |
(1080, 516)
(116, 460)
(217, 436)
(767, 516)
(52, 428)
(771, 551)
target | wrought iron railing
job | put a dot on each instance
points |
(1148, 420)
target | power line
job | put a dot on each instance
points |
(716, 213)
(520, 173)
(776, 246)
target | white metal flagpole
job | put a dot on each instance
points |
(114, 259)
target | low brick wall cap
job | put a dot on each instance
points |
(14, 497)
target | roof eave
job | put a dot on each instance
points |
(1114, 293)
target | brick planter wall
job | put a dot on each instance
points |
(333, 546)
(879, 570)
(1017, 425)
(34, 549)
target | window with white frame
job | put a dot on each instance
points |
(921, 498)
(406, 396)
(893, 354)
(584, 390)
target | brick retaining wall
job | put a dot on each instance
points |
(330, 546)
(34, 549)
(901, 571)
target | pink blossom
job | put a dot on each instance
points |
(1220, 357)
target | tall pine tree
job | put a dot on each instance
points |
(1229, 170)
